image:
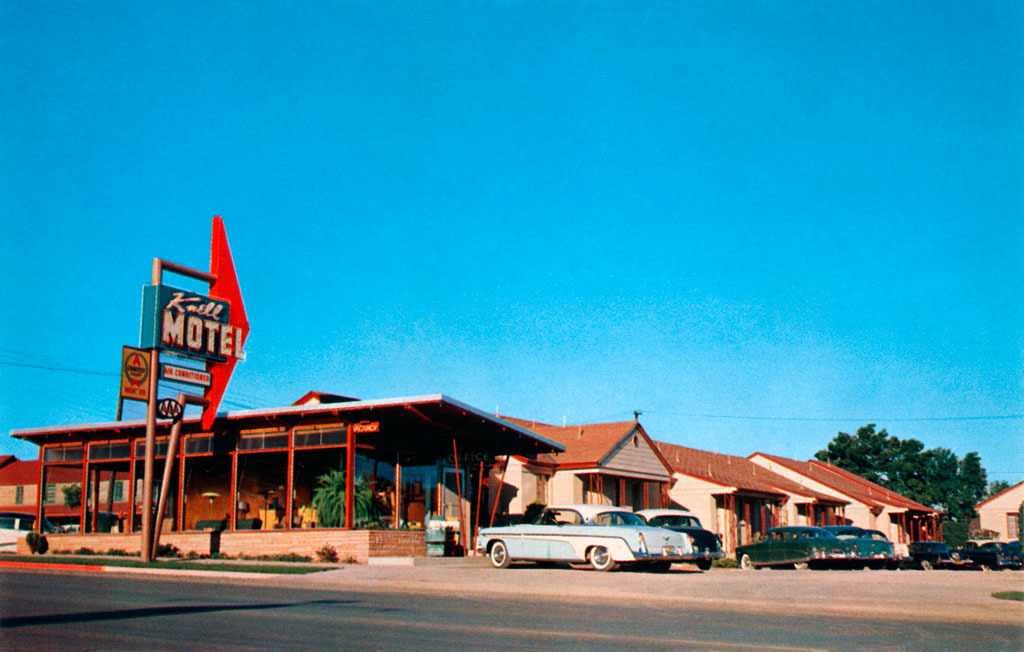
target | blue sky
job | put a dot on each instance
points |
(758, 223)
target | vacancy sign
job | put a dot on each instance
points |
(135, 369)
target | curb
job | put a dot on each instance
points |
(134, 570)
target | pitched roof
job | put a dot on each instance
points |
(993, 497)
(864, 491)
(585, 445)
(734, 471)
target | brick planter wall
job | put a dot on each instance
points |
(358, 545)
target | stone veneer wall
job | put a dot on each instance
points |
(358, 545)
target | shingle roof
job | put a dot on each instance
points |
(584, 444)
(864, 491)
(734, 471)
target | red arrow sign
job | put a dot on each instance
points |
(225, 288)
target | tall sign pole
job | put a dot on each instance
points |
(211, 328)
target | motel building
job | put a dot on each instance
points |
(373, 478)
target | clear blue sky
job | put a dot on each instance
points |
(759, 223)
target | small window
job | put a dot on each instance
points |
(118, 491)
(19, 495)
(50, 494)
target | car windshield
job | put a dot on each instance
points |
(618, 518)
(674, 520)
(877, 536)
(848, 533)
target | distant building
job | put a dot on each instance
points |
(1001, 512)
(603, 464)
(738, 499)
(869, 506)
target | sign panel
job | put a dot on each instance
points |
(366, 426)
(135, 370)
(226, 289)
(184, 375)
(189, 324)
(168, 408)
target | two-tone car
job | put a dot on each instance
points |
(600, 535)
(706, 545)
(797, 546)
(873, 549)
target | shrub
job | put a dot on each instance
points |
(116, 552)
(725, 562)
(167, 550)
(37, 543)
(327, 554)
(84, 551)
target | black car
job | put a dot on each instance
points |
(706, 546)
(995, 555)
(927, 555)
(982, 555)
(1010, 556)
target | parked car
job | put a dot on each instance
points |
(927, 555)
(873, 548)
(801, 547)
(981, 554)
(15, 525)
(994, 555)
(600, 535)
(706, 546)
(1010, 555)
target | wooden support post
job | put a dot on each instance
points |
(458, 485)
(497, 497)
(350, 477)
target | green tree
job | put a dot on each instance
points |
(996, 487)
(932, 477)
(72, 495)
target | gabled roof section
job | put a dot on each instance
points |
(734, 471)
(593, 444)
(584, 444)
(7, 459)
(319, 398)
(864, 491)
(1000, 494)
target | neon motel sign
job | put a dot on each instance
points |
(189, 324)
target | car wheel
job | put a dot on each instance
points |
(600, 559)
(926, 565)
(704, 564)
(745, 563)
(499, 555)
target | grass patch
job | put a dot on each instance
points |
(219, 567)
(1009, 595)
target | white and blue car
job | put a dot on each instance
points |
(601, 535)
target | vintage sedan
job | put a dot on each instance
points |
(927, 555)
(600, 535)
(873, 548)
(706, 546)
(801, 547)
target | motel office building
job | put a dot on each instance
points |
(388, 470)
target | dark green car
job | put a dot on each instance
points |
(801, 547)
(874, 550)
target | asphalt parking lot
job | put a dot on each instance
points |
(940, 596)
